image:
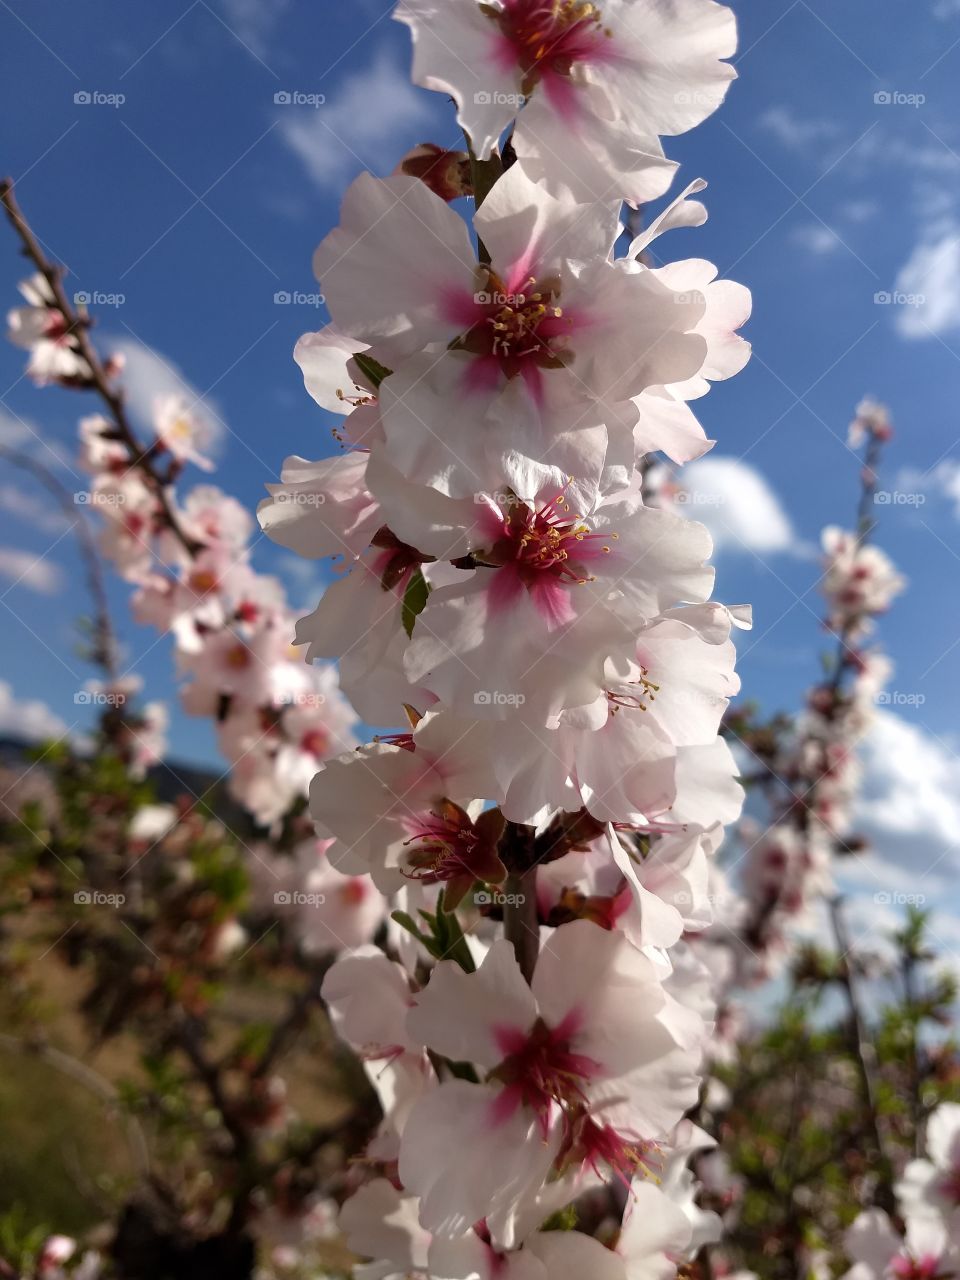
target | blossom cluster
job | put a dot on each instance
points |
(814, 774)
(927, 1244)
(190, 566)
(538, 643)
(275, 716)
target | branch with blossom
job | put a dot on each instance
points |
(541, 639)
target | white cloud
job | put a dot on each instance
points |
(816, 238)
(738, 506)
(31, 720)
(928, 286)
(943, 479)
(24, 569)
(37, 513)
(360, 126)
(793, 131)
(910, 799)
(859, 210)
(147, 376)
(253, 21)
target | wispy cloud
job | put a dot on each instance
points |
(253, 21)
(363, 125)
(796, 132)
(928, 285)
(148, 376)
(24, 569)
(816, 238)
(738, 506)
(29, 719)
(29, 509)
(943, 480)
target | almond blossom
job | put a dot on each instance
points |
(592, 1060)
(597, 83)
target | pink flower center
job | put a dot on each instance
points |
(442, 844)
(925, 1267)
(949, 1185)
(548, 37)
(446, 846)
(600, 1144)
(549, 542)
(315, 742)
(540, 1068)
(544, 551)
(518, 330)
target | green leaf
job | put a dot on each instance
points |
(414, 600)
(372, 370)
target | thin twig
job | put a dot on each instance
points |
(863, 1053)
(77, 326)
(106, 646)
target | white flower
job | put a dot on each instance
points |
(40, 328)
(594, 1052)
(597, 82)
(551, 599)
(879, 1253)
(181, 430)
(540, 350)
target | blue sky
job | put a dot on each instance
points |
(199, 198)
